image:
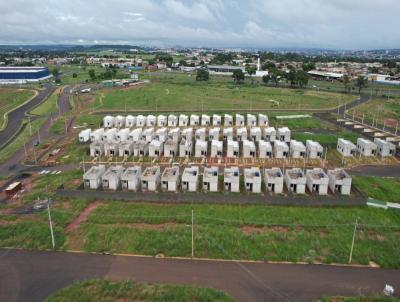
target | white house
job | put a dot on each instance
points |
(161, 134)
(251, 120)
(141, 148)
(284, 134)
(297, 149)
(110, 135)
(216, 148)
(187, 133)
(264, 149)
(262, 120)
(317, 181)
(384, 148)
(123, 135)
(172, 120)
(274, 180)
(365, 147)
(269, 134)
(210, 179)
(97, 135)
(96, 149)
(241, 134)
(92, 177)
(255, 134)
(249, 149)
(170, 148)
(84, 135)
(227, 133)
(214, 133)
(135, 134)
(194, 120)
(183, 120)
(140, 120)
(130, 121)
(111, 179)
(228, 120)
(205, 120)
(314, 149)
(148, 134)
(185, 148)
(239, 120)
(111, 149)
(281, 149)
(125, 149)
(108, 121)
(150, 178)
(174, 134)
(130, 179)
(252, 179)
(232, 179)
(295, 180)
(120, 121)
(190, 178)
(170, 179)
(162, 121)
(232, 150)
(216, 120)
(201, 148)
(339, 181)
(156, 148)
(151, 120)
(346, 147)
(200, 134)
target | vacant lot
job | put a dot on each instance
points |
(11, 98)
(381, 108)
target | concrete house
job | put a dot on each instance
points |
(264, 149)
(141, 148)
(92, 177)
(297, 149)
(135, 135)
(130, 121)
(170, 179)
(317, 181)
(274, 180)
(151, 120)
(201, 148)
(384, 148)
(241, 134)
(251, 120)
(205, 120)
(185, 148)
(187, 133)
(346, 147)
(108, 121)
(239, 120)
(314, 149)
(173, 120)
(217, 120)
(174, 134)
(249, 149)
(110, 135)
(232, 179)
(232, 150)
(162, 121)
(183, 120)
(284, 134)
(111, 179)
(227, 133)
(339, 181)
(125, 149)
(119, 121)
(161, 134)
(281, 149)
(269, 134)
(252, 179)
(194, 120)
(228, 120)
(170, 148)
(123, 135)
(150, 179)
(148, 135)
(190, 178)
(156, 148)
(214, 133)
(216, 148)
(130, 179)
(96, 149)
(97, 135)
(111, 149)
(84, 135)
(200, 134)
(295, 180)
(255, 134)
(262, 120)
(366, 147)
(140, 121)
(210, 179)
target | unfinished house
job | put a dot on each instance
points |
(119, 121)
(187, 133)
(314, 149)
(251, 120)
(174, 134)
(148, 135)
(200, 134)
(150, 179)
(151, 121)
(123, 135)
(295, 181)
(232, 179)
(252, 180)
(130, 121)
(97, 135)
(183, 120)
(135, 135)
(205, 120)
(281, 149)
(241, 134)
(269, 134)
(366, 147)
(297, 149)
(185, 148)
(284, 134)
(317, 181)
(232, 149)
(173, 120)
(162, 121)
(108, 121)
(170, 179)
(190, 179)
(227, 133)
(216, 148)
(214, 133)
(96, 149)
(264, 149)
(92, 177)
(228, 120)
(216, 120)
(346, 147)
(339, 181)
(255, 134)
(111, 149)
(273, 180)
(194, 120)
(239, 119)
(141, 148)
(384, 148)
(170, 148)
(84, 135)
(249, 149)
(130, 179)
(156, 148)
(161, 134)
(110, 135)
(210, 179)
(111, 179)
(140, 121)
(201, 148)
(262, 120)
(125, 149)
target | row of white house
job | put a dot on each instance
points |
(151, 179)
(184, 120)
(256, 134)
(365, 147)
(200, 148)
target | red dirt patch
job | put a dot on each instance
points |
(82, 216)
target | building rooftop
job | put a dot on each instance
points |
(170, 173)
(295, 173)
(274, 173)
(317, 173)
(339, 174)
(151, 171)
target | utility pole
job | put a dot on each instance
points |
(352, 243)
(30, 126)
(38, 133)
(51, 224)
(192, 233)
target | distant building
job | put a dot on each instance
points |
(21, 75)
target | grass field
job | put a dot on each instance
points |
(386, 189)
(380, 108)
(11, 98)
(103, 290)
(48, 106)
(373, 298)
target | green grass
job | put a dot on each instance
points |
(11, 98)
(385, 189)
(48, 106)
(324, 138)
(373, 298)
(382, 108)
(104, 290)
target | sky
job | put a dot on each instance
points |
(333, 24)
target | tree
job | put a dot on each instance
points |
(268, 66)
(275, 75)
(92, 74)
(308, 66)
(202, 74)
(74, 75)
(182, 63)
(238, 76)
(361, 82)
(251, 70)
(55, 72)
(266, 79)
(302, 78)
(291, 77)
(346, 82)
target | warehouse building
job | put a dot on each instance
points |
(22, 75)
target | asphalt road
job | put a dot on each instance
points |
(33, 275)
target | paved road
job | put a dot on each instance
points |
(32, 276)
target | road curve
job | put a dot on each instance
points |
(33, 275)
